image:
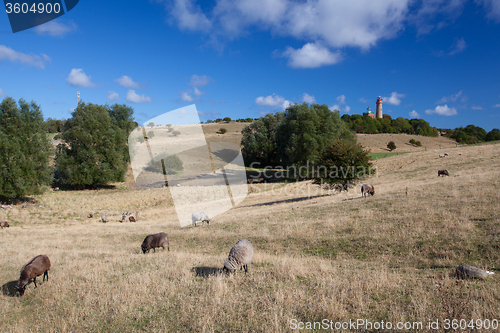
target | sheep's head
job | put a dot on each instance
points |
(20, 288)
(144, 248)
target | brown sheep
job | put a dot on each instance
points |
(35, 267)
(131, 219)
(443, 172)
(154, 241)
(4, 224)
(367, 188)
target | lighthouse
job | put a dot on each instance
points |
(379, 107)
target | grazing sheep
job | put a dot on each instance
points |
(154, 241)
(104, 219)
(131, 219)
(200, 216)
(240, 256)
(35, 267)
(467, 271)
(367, 188)
(124, 217)
(441, 155)
(4, 224)
(446, 154)
(443, 172)
(91, 215)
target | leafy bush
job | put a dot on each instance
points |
(227, 119)
(151, 134)
(223, 130)
(418, 143)
(24, 149)
(173, 164)
(95, 151)
(391, 145)
(412, 141)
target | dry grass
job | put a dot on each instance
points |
(388, 257)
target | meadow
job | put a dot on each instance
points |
(389, 257)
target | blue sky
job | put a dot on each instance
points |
(433, 59)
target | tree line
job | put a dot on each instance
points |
(309, 142)
(368, 125)
(93, 151)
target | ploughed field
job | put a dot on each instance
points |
(389, 257)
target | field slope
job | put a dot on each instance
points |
(317, 256)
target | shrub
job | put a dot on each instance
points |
(391, 145)
(151, 134)
(412, 141)
(94, 149)
(222, 130)
(172, 164)
(24, 149)
(227, 119)
(175, 133)
(418, 143)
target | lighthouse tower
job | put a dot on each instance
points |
(379, 107)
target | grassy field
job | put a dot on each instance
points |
(390, 257)
(375, 156)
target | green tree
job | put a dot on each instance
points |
(493, 135)
(306, 131)
(391, 145)
(24, 149)
(122, 115)
(344, 162)
(227, 119)
(259, 140)
(93, 150)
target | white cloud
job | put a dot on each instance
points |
(341, 99)
(188, 15)
(311, 55)
(57, 29)
(435, 14)
(364, 100)
(198, 93)
(443, 110)
(273, 101)
(336, 23)
(413, 114)
(186, 97)
(309, 99)
(475, 107)
(200, 80)
(6, 53)
(459, 46)
(492, 8)
(112, 96)
(452, 98)
(127, 82)
(77, 78)
(346, 109)
(496, 106)
(394, 99)
(136, 98)
(2, 92)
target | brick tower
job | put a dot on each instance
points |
(379, 107)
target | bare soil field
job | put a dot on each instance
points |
(319, 256)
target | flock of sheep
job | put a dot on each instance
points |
(240, 255)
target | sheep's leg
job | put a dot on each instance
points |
(34, 281)
(246, 268)
(154, 249)
(45, 274)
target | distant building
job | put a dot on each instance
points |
(379, 107)
(369, 113)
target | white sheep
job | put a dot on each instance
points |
(200, 216)
(240, 256)
(468, 271)
(441, 155)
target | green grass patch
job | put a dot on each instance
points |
(375, 156)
